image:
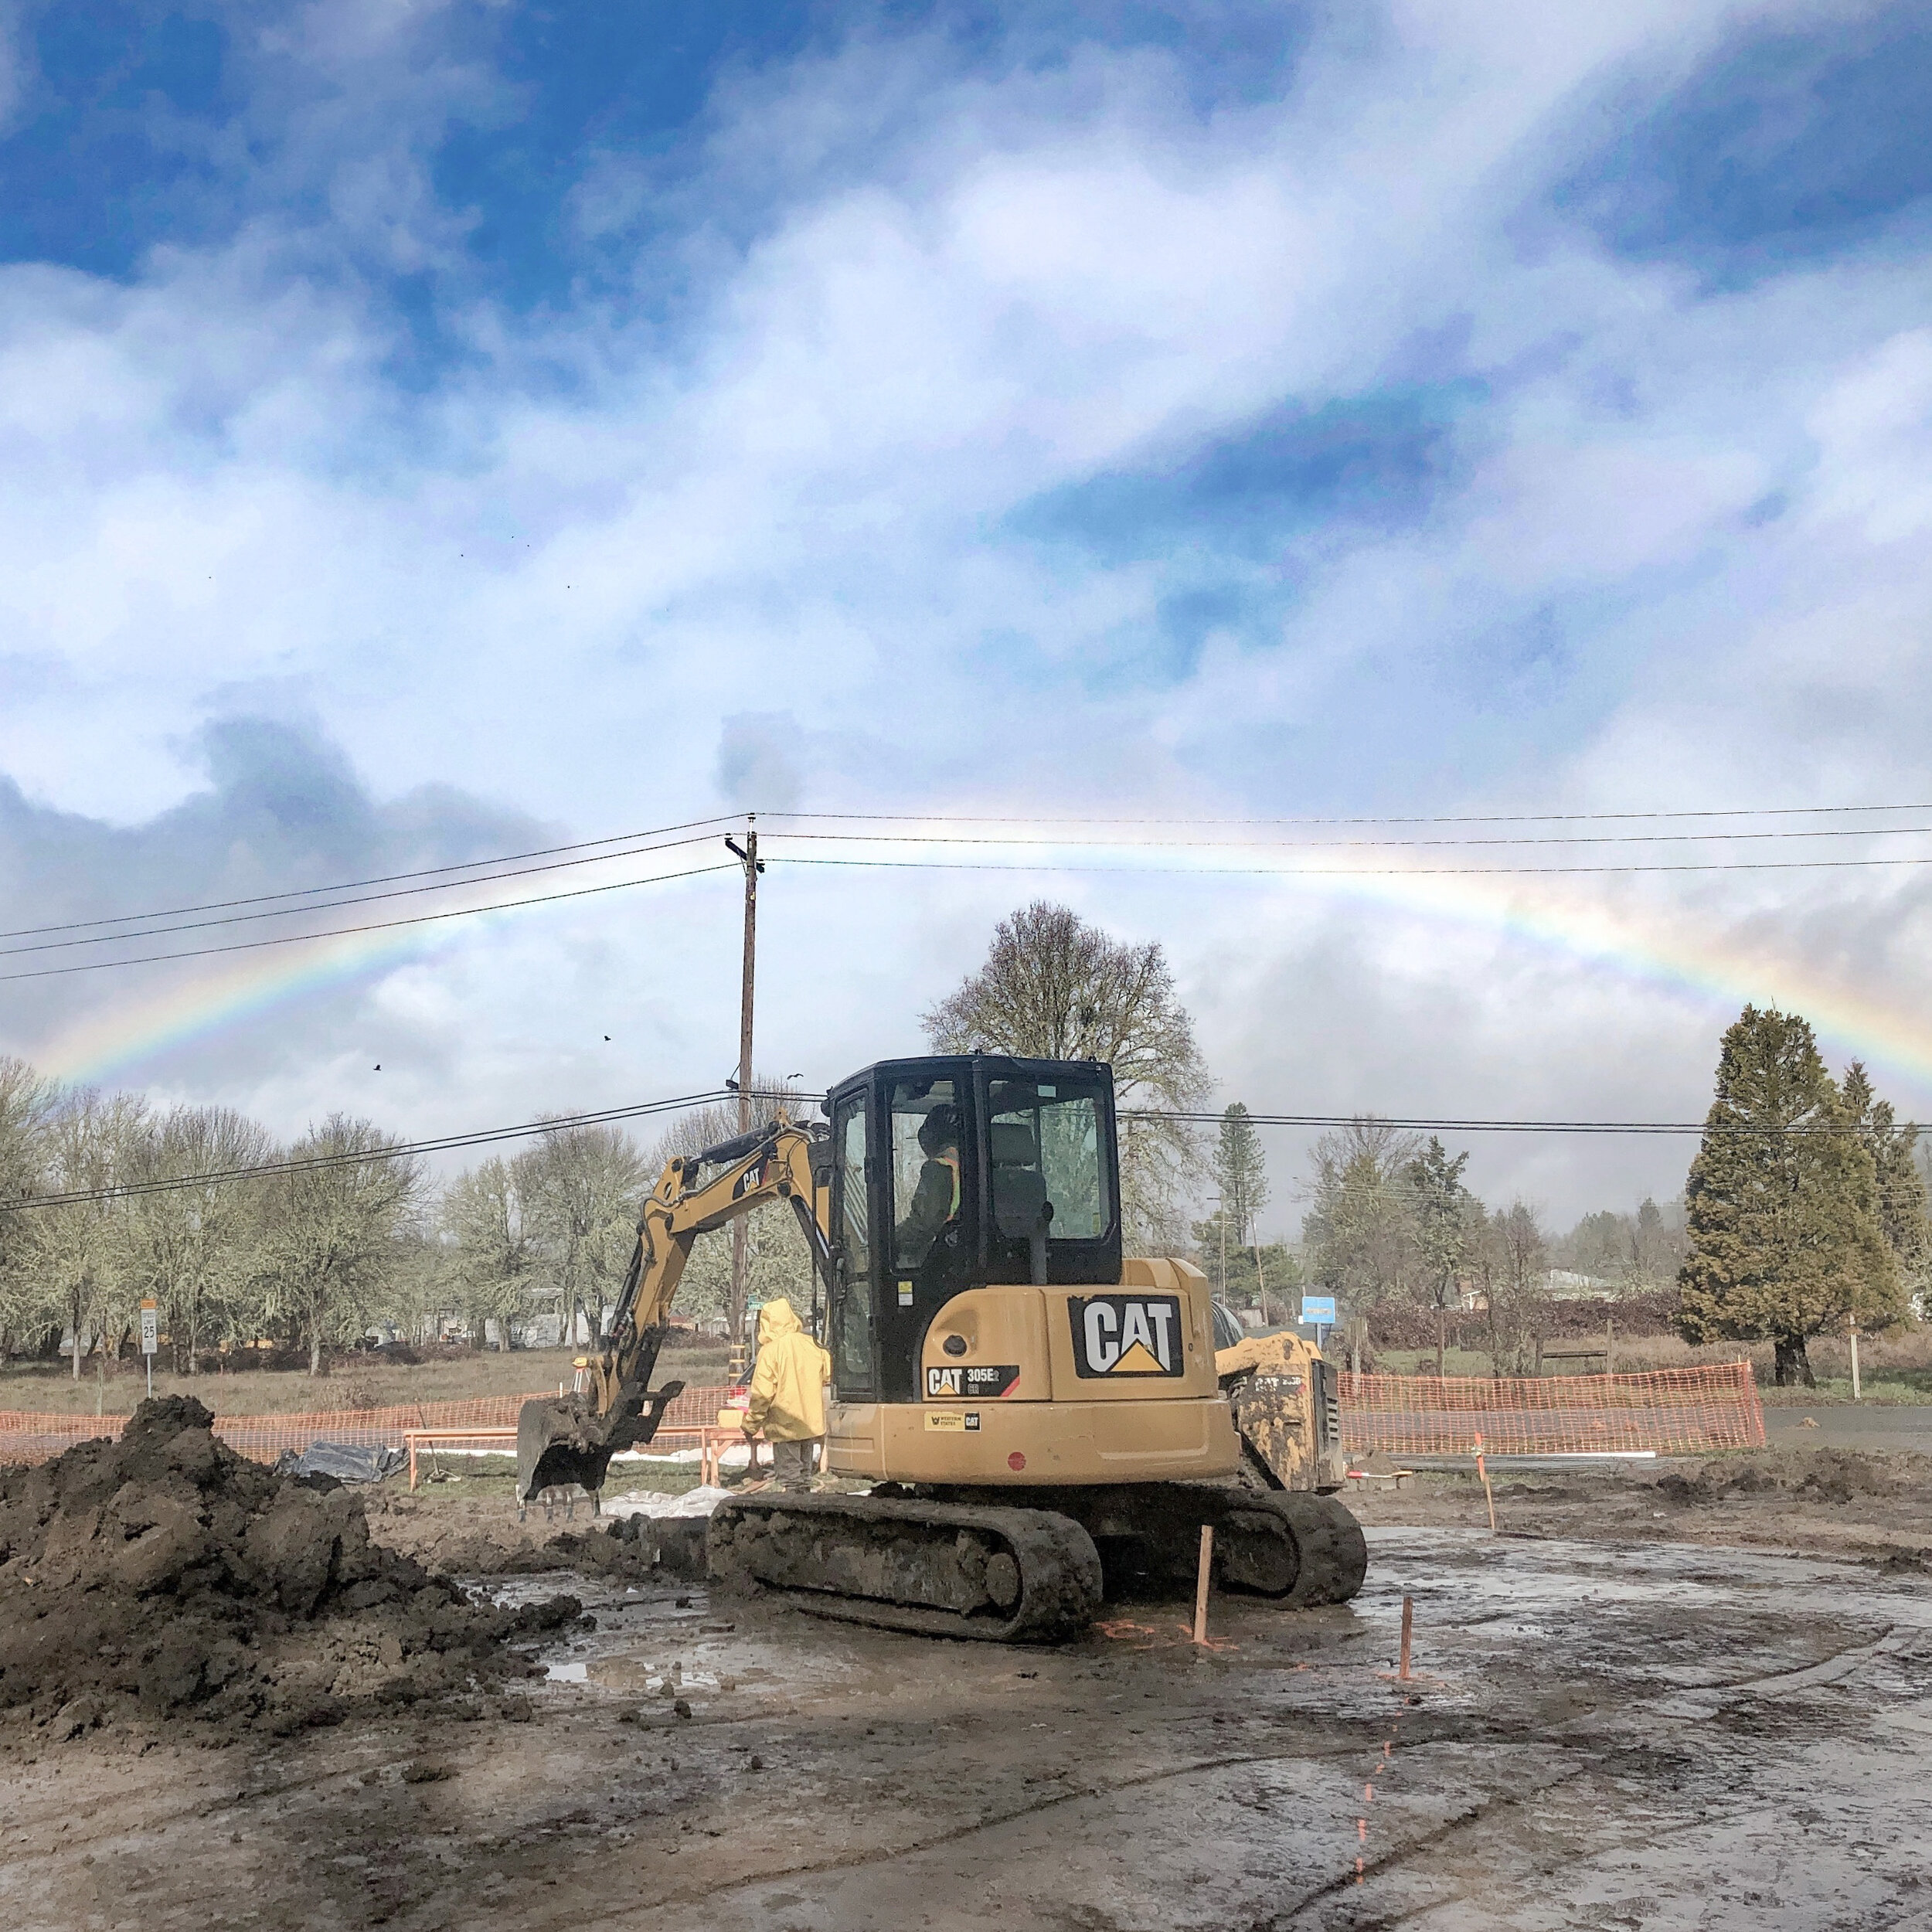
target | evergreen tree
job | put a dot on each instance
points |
(1444, 1211)
(1901, 1187)
(1241, 1170)
(1785, 1235)
(1228, 1239)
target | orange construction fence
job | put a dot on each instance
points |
(26, 1436)
(1671, 1411)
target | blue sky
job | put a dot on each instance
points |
(574, 417)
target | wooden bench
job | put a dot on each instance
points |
(414, 1440)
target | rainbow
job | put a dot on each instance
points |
(1600, 924)
(112, 1041)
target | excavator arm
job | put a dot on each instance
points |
(572, 1439)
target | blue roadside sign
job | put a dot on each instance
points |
(1319, 1309)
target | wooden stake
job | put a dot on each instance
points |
(1489, 1495)
(1408, 1627)
(1201, 1583)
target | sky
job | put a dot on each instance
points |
(434, 431)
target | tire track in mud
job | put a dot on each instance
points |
(1445, 1730)
(1675, 1708)
(858, 1861)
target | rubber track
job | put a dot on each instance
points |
(1059, 1568)
(1333, 1551)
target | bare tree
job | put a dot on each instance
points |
(1359, 1229)
(582, 1187)
(77, 1249)
(27, 1105)
(333, 1232)
(1055, 987)
(1514, 1260)
(191, 1247)
(486, 1214)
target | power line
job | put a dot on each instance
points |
(377, 926)
(482, 866)
(387, 879)
(667, 844)
(397, 1151)
(1359, 871)
(1493, 818)
(1422, 1126)
(1353, 845)
(605, 1116)
(335, 905)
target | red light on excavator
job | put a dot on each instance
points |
(1016, 1461)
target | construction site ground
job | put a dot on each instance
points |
(1693, 1694)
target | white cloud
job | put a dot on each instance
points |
(906, 301)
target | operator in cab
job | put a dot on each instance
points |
(936, 1199)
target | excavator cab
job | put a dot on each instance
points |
(952, 1174)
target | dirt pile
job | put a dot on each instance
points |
(1831, 1476)
(164, 1576)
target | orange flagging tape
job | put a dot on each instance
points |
(25, 1436)
(1671, 1411)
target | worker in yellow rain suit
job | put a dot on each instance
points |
(787, 1393)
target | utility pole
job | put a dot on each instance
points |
(747, 854)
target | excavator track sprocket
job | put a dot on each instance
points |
(995, 1573)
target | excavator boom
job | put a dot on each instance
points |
(572, 1439)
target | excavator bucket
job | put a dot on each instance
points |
(560, 1442)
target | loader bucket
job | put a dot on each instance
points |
(559, 1442)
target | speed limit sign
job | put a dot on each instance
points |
(149, 1328)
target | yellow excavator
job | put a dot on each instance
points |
(1042, 1420)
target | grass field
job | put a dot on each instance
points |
(357, 1381)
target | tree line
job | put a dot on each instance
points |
(312, 1258)
(1805, 1208)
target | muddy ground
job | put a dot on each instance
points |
(1691, 1695)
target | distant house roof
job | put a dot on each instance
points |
(1566, 1284)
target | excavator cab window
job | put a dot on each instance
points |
(1051, 1175)
(928, 1169)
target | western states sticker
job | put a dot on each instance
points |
(1126, 1335)
(952, 1421)
(980, 1382)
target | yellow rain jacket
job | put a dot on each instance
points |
(788, 1401)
